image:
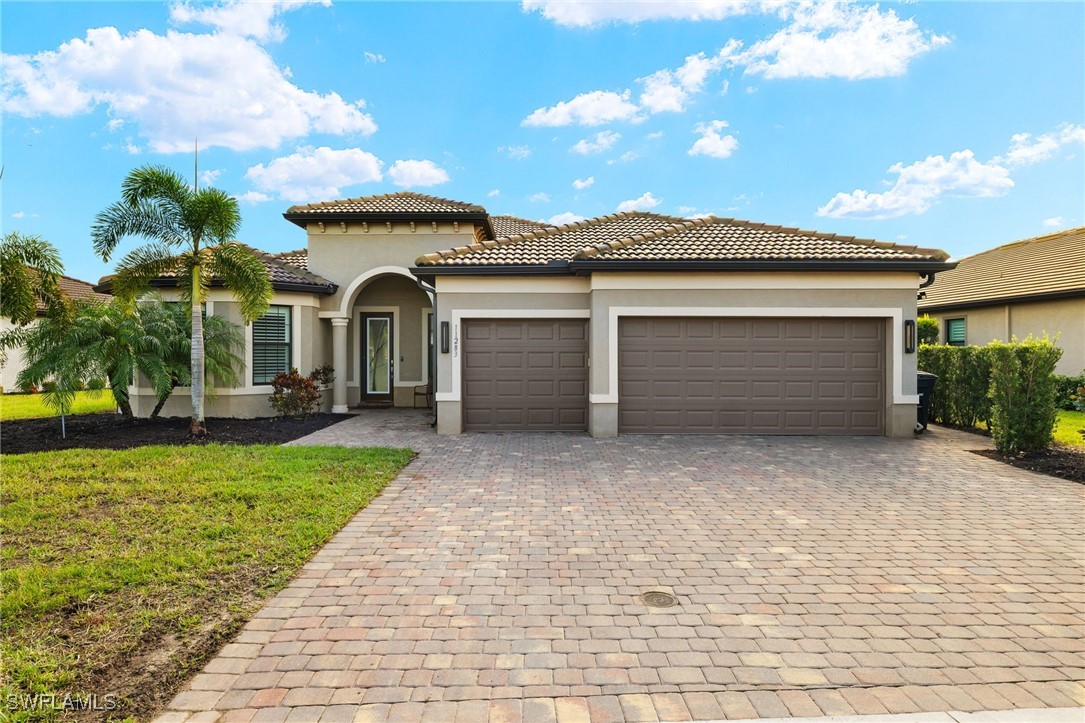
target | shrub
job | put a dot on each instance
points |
(28, 388)
(96, 384)
(960, 394)
(1066, 388)
(323, 375)
(49, 386)
(1023, 408)
(927, 329)
(294, 395)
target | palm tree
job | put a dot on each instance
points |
(191, 234)
(29, 268)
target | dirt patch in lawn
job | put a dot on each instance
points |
(1058, 461)
(112, 431)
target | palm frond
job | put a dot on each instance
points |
(143, 218)
(155, 183)
(140, 267)
(29, 270)
(245, 276)
(215, 213)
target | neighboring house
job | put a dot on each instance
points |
(634, 322)
(14, 362)
(1036, 287)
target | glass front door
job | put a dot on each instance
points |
(378, 360)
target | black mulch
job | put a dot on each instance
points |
(1058, 461)
(112, 431)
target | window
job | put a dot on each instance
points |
(271, 344)
(955, 332)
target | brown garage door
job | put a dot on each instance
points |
(525, 375)
(751, 376)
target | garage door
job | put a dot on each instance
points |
(525, 375)
(751, 376)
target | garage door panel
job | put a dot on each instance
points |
(525, 375)
(754, 376)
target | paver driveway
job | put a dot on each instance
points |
(498, 577)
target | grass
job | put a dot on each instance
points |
(1068, 426)
(28, 406)
(123, 571)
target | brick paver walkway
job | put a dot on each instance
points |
(497, 578)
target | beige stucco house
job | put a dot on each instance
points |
(1031, 287)
(629, 323)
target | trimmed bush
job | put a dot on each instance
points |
(1066, 388)
(960, 394)
(49, 386)
(96, 384)
(927, 330)
(27, 388)
(1023, 389)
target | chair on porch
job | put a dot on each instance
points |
(425, 391)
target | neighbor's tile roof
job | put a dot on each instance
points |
(299, 258)
(550, 243)
(76, 290)
(640, 236)
(511, 225)
(401, 202)
(1049, 264)
(731, 239)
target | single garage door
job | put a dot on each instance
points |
(525, 375)
(751, 376)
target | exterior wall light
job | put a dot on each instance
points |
(909, 336)
(444, 337)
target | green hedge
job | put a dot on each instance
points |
(1066, 389)
(1010, 387)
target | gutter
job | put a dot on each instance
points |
(1002, 300)
(106, 286)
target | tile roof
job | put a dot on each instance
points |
(641, 236)
(552, 243)
(400, 202)
(299, 258)
(510, 225)
(1046, 265)
(714, 238)
(76, 290)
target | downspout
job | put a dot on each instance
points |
(431, 291)
(928, 279)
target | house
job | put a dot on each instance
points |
(14, 362)
(1031, 287)
(627, 323)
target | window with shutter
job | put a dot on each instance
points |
(955, 332)
(271, 344)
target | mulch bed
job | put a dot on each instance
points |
(1059, 461)
(112, 431)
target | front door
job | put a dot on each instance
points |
(378, 360)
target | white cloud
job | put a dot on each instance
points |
(1053, 222)
(563, 218)
(572, 13)
(587, 109)
(209, 176)
(253, 197)
(602, 141)
(920, 184)
(240, 17)
(669, 91)
(1026, 150)
(655, 135)
(494, 193)
(417, 173)
(642, 203)
(313, 174)
(132, 149)
(580, 185)
(371, 57)
(515, 152)
(115, 124)
(837, 40)
(19, 214)
(540, 197)
(712, 143)
(224, 89)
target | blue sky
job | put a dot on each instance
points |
(955, 125)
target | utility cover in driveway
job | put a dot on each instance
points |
(525, 375)
(751, 375)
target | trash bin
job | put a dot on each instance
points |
(925, 386)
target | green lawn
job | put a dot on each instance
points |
(1068, 426)
(113, 559)
(26, 406)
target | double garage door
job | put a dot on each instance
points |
(695, 375)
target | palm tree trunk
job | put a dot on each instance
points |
(197, 427)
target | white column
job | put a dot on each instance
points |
(339, 361)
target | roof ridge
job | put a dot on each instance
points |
(288, 253)
(380, 196)
(1022, 242)
(937, 254)
(543, 232)
(304, 273)
(595, 249)
(517, 218)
